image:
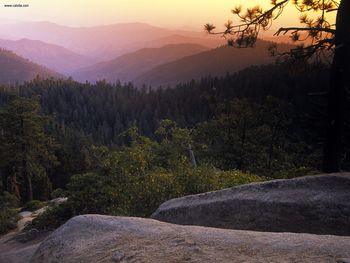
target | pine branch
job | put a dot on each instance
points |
(285, 30)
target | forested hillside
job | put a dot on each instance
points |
(104, 110)
(116, 149)
(130, 66)
(214, 62)
(51, 56)
(15, 69)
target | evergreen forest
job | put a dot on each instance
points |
(120, 150)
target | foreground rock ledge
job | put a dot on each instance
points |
(312, 204)
(97, 239)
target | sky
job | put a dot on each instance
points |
(191, 14)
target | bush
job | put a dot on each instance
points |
(156, 187)
(150, 190)
(58, 193)
(95, 193)
(206, 179)
(8, 200)
(233, 178)
(140, 195)
(52, 218)
(296, 172)
(8, 215)
(113, 194)
(8, 220)
(33, 205)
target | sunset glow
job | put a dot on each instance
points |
(181, 13)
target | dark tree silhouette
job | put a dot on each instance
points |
(324, 35)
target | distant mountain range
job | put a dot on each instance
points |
(105, 42)
(173, 64)
(215, 62)
(130, 52)
(51, 56)
(15, 69)
(128, 67)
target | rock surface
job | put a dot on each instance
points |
(98, 239)
(18, 246)
(312, 204)
(14, 250)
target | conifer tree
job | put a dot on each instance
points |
(324, 35)
(26, 150)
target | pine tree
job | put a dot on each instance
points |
(324, 35)
(26, 150)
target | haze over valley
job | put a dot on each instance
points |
(128, 52)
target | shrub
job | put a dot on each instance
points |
(33, 205)
(8, 200)
(8, 215)
(233, 178)
(140, 195)
(150, 190)
(52, 218)
(58, 193)
(296, 172)
(206, 179)
(113, 194)
(94, 193)
(8, 220)
(195, 181)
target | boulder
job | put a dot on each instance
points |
(15, 248)
(99, 239)
(18, 255)
(312, 204)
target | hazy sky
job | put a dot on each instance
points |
(169, 13)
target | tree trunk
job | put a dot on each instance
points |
(13, 186)
(243, 140)
(27, 184)
(26, 178)
(339, 83)
(271, 149)
(25, 174)
(192, 157)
